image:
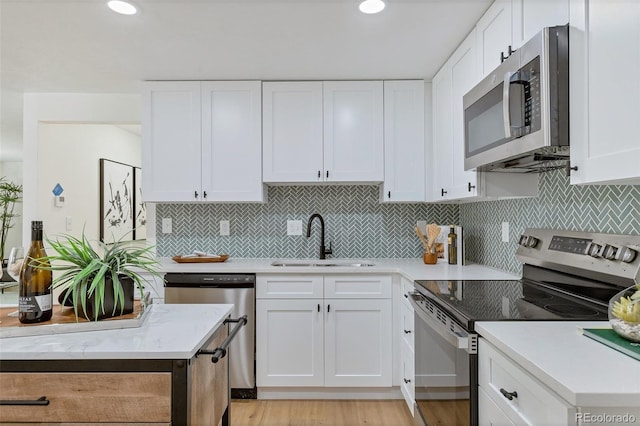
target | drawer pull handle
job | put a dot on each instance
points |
(407, 332)
(221, 350)
(407, 380)
(40, 401)
(508, 395)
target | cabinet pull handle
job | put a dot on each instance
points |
(204, 194)
(328, 308)
(389, 194)
(568, 168)
(195, 194)
(221, 350)
(508, 395)
(406, 295)
(407, 380)
(318, 307)
(502, 57)
(470, 187)
(319, 174)
(407, 332)
(327, 174)
(442, 192)
(40, 401)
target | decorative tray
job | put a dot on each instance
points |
(64, 321)
(200, 259)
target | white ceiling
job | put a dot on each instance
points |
(81, 46)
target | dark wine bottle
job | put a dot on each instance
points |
(452, 243)
(35, 297)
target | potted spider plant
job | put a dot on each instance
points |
(98, 283)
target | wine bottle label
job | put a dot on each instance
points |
(35, 304)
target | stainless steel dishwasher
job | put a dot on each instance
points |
(236, 289)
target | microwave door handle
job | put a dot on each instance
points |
(506, 113)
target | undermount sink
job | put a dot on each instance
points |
(345, 263)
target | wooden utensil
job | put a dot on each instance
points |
(433, 231)
(422, 238)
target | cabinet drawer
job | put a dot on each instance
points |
(87, 397)
(534, 403)
(357, 286)
(289, 286)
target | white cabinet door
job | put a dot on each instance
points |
(404, 161)
(171, 141)
(292, 132)
(353, 131)
(605, 104)
(357, 342)
(289, 342)
(231, 141)
(357, 286)
(407, 377)
(441, 147)
(493, 32)
(464, 75)
(531, 16)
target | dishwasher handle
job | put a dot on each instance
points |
(220, 352)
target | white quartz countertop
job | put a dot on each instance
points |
(581, 370)
(412, 269)
(169, 332)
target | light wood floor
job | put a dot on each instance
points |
(319, 412)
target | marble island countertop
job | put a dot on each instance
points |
(582, 371)
(169, 332)
(412, 269)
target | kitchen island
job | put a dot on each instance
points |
(151, 374)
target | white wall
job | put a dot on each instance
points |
(67, 108)
(69, 154)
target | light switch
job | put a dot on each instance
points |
(294, 227)
(505, 232)
(422, 225)
(167, 225)
(68, 224)
(224, 227)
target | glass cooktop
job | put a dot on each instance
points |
(469, 301)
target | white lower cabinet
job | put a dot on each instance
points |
(519, 395)
(490, 413)
(407, 341)
(330, 342)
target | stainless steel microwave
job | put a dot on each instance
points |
(517, 118)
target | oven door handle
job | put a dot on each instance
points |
(459, 340)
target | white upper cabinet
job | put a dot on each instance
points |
(530, 16)
(231, 136)
(201, 141)
(353, 131)
(604, 93)
(441, 157)
(171, 141)
(292, 132)
(404, 151)
(494, 35)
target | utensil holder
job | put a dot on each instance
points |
(430, 258)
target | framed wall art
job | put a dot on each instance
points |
(116, 201)
(139, 208)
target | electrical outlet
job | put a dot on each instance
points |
(224, 227)
(294, 227)
(167, 225)
(505, 232)
(422, 224)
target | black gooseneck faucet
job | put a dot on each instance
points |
(323, 251)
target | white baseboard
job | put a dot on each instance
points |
(329, 393)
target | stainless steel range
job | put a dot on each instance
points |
(566, 275)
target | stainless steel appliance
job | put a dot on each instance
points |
(566, 275)
(236, 289)
(517, 118)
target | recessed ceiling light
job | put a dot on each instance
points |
(123, 7)
(371, 6)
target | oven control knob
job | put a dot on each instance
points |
(532, 242)
(626, 254)
(609, 251)
(593, 249)
(523, 240)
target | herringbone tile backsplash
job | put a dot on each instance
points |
(597, 208)
(356, 223)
